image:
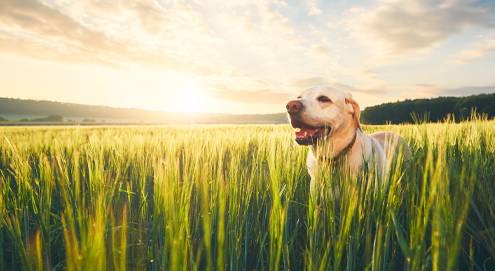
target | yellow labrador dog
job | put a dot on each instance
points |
(326, 113)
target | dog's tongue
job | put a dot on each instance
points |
(305, 132)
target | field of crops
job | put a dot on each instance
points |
(231, 197)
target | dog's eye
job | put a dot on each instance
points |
(323, 99)
(299, 97)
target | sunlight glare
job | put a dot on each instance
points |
(190, 97)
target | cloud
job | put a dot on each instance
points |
(431, 90)
(35, 29)
(473, 54)
(42, 51)
(376, 90)
(305, 83)
(258, 27)
(466, 56)
(146, 21)
(423, 90)
(468, 91)
(31, 20)
(369, 74)
(312, 8)
(298, 85)
(320, 49)
(365, 80)
(48, 33)
(236, 81)
(251, 97)
(398, 27)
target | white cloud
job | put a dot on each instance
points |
(301, 84)
(281, 4)
(486, 48)
(398, 27)
(144, 33)
(468, 90)
(320, 49)
(141, 32)
(258, 26)
(434, 90)
(264, 96)
(313, 8)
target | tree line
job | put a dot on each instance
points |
(51, 118)
(437, 109)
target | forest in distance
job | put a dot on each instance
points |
(436, 109)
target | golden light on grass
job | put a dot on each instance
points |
(236, 197)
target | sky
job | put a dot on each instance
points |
(243, 56)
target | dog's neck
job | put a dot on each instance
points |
(336, 159)
(336, 152)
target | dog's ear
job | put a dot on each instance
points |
(353, 107)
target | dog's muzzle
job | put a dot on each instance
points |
(294, 106)
(307, 135)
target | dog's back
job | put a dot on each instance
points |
(392, 144)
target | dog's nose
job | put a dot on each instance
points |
(294, 106)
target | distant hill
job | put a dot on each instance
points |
(437, 108)
(70, 111)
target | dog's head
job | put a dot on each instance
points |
(320, 112)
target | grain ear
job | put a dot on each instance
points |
(353, 107)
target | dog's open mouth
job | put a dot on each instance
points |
(309, 135)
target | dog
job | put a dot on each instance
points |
(328, 121)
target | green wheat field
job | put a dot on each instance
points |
(232, 197)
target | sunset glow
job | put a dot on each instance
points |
(190, 98)
(243, 56)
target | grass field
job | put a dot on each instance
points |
(231, 197)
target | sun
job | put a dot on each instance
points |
(190, 97)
